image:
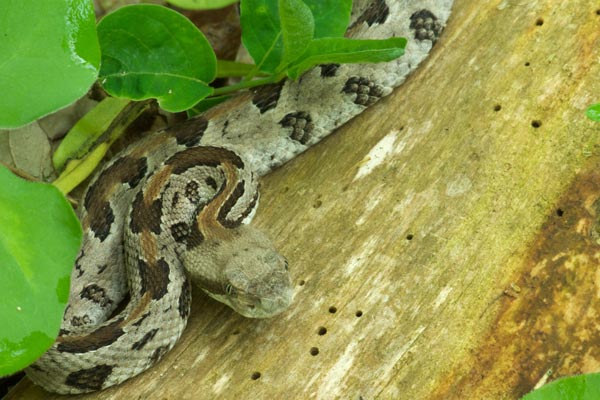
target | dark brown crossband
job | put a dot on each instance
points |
(230, 201)
(144, 216)
(90, 378)
(100, 214)
(190, 132)
(154, 278)
(103, 336)
(207, 155)
(144, 340)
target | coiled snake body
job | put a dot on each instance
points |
(180, 201)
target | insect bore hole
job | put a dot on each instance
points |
(255, 375)
(410, 236)
(560, 212)
(359, 314)
(539, 21)
(497, 107)
(332, 310)
(322, 330)
(314, 351)
(536, 123)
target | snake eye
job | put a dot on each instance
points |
(229, 289)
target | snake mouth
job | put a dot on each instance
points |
(266, 307)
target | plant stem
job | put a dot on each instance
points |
(247, 84)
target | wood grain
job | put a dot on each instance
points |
(443, 243)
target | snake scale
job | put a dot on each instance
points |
(180, 200)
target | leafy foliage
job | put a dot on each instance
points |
(150, 51)
(290, 37)
(593, 112)
(201, 4)
(580, 387)
(342, 50)
(50, 57)
(160, 55)
(39, 239)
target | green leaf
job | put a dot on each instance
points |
(39, 240)
(297, 29)
(201, 4)
(261, 33)
(593, 112)
(150, 51)
(580, 387)
(343, 50)
(50, 57)
(332, 17)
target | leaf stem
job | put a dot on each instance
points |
(247, 84)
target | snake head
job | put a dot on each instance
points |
(258, 284)
(244, 271)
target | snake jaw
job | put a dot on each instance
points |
(264, 308)
(278, 304)
(257, 308)
(275, 303)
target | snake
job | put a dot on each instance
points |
(175, 208)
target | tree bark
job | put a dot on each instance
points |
(443, 243)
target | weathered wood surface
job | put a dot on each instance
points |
(462, 235)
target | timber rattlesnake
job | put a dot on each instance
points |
(182, 196)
